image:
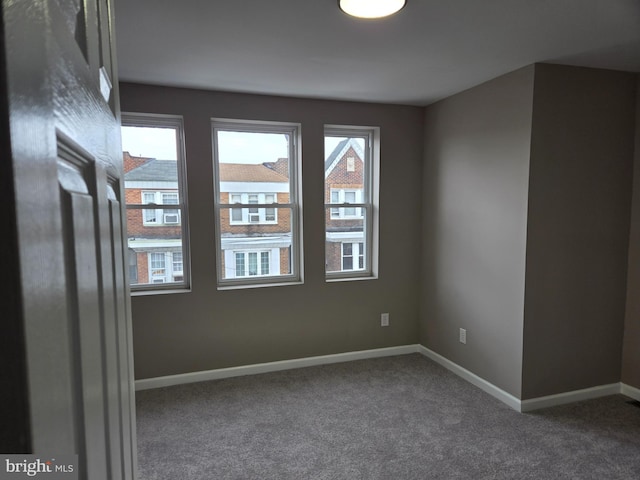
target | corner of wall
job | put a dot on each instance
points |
(630, 350)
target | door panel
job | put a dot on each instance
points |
(67, 169)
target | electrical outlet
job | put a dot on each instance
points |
(463, 335)
(384, 320)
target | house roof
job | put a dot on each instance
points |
(339, 151)
(154, 171)
(242, 172)
(164, 170)
(336, 151)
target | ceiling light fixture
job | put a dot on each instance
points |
(371, 8)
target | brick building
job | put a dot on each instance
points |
(154, 234)
(344, 183)
(256, 241)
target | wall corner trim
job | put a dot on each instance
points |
(630, 391)
(570, 397)
(217, 374)
(531, 404)
(472, 378)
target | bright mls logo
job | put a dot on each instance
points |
(35, 466)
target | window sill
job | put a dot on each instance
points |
(243, 286)
(159, 291)
(349, 279)
(238, 224)
(154, 225)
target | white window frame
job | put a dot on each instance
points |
(368, 204)
(293, 130)
(160, 214)
(247, 215)
(169, 268)
(175, 122)
(341, 213)
(157, 278)
(259, 256)
(356, 253)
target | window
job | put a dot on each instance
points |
(252, 264)
(351, 194)
(154, 176)
(243, 216)
(352, 256)
(165, 267)
(257, 202)
(160, 217)
(346, 197)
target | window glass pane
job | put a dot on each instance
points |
(157, 261)
(254, 213)
(154, 169)
(344, 242)
(345, 159)
(347, 256)
(236, 213)
(240, 271)
(279, 244)
(252, 167)
(348, 176)
(177, 262)
(253, 263)
(264, 263)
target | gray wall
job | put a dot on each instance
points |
(527, 194)
(578, 227)
(207, 328)
(631, 349)
(474, 217)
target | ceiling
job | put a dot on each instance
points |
(308, 48)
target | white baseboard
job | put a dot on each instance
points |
(158, 382)
(505, 397)
(569, 397)
(630, 391)
(531, 404)
(472, 378)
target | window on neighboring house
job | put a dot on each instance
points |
(165, 267)
(160, 217)
(154, 176)
(346, 197)
(252, 264)
(352, 256)
(257, 202)
(351, 201)
(242, 216)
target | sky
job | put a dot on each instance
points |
(234, 147)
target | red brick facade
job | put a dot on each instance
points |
(283, 216)
(135, 225)
(342, 178)
(346, 174)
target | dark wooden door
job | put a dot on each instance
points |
(66, 168)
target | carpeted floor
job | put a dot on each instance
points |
(391, 418)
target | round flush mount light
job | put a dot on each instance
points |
(371, 8)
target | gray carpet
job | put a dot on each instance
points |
(393, 418)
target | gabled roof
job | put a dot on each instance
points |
(154, 171)
(167, 171)
(341, 149)
(242, 172)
